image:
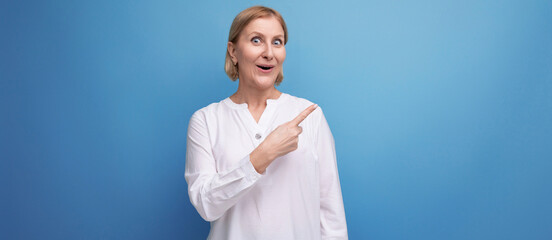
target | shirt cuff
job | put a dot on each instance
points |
(249, 170)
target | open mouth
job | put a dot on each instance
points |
(265, 67)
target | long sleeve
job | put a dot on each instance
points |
(332, 213)
(213, 193)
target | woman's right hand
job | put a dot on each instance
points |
(284, 139)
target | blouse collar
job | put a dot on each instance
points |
(269, 102)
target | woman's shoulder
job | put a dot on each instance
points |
(298, 104)
(211, 109)
(298, 100)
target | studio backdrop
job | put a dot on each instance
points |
(441, 113)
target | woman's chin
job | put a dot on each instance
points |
(265, 82)
(260, 81)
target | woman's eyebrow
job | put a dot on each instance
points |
(258, 33)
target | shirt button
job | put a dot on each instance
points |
(258, 136)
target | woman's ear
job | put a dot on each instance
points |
(232, 52)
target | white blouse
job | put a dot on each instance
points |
(297, 197)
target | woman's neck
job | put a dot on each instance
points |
(253, 97)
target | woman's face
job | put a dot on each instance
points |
(259, 52)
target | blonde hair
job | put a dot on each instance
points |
(239, 23)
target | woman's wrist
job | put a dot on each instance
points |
(261, 158)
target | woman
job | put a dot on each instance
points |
(261, 164)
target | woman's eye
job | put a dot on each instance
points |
(256, 40)
(277, 42)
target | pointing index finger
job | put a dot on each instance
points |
(297, 120)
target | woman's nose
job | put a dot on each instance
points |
(268, 54)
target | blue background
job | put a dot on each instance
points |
(441, 113)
